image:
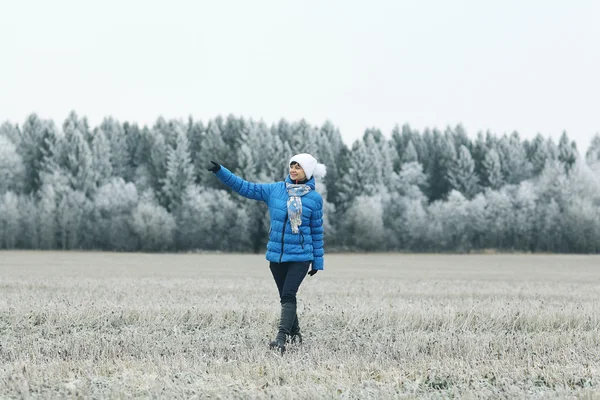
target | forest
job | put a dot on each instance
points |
(124, 187)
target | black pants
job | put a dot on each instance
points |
(288, 277)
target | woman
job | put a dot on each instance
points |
(296, 234)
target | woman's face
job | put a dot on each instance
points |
(296, 172)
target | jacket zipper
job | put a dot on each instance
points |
(282, 237)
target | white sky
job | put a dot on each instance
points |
(526, 65)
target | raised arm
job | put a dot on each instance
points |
(316, 229)
(255, 191)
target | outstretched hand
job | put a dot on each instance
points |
(312, 272)
(215, 167)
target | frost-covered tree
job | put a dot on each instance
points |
(371, 166)
(9, 220)
(442, 157)
(206, 211)
(138, 149)
(522, 226)
(477, 224)
(513, 159)
(71, 212)
(195, 132)
(331, 148)
(268, 152)
(77, 160)
(10, 132)
(47, 212)
(156, 172)
(567, 151)
(180, 170)
(30, 149)
(362, 225)
(581, 224)
(232, 130)
(412, 181)
(592, 155)
(549, 232)
(118, 153)
(493, 170)
(538, 154)
(461, 173)
(416, 223)
(102, 168)
(448, 222)
(212, 147)
(12, 169)
(552, 184)
(410, 153)
(498, 215)
(113, 206)
(479, 151)
(29, 237)
(153, 225)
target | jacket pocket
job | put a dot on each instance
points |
(302, 240)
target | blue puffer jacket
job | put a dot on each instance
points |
(284, 246)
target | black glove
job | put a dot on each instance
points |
(312, 272)
(215, 167)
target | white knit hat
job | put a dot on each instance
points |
(310, 165)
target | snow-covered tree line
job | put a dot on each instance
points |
(119, 186)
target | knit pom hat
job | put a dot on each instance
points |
(310, 165)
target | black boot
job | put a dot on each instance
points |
(288, 313)
(295, 335)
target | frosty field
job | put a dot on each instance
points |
(106, 325)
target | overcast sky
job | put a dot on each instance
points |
(526, 65)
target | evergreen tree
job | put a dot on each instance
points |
(462, 174)
(76, 160)
(30, 150)
(443, 156)
(196, 131)
(592, 155)
(11, 133)
(180, 170)
(513, 159)
(479, 151)
(101, 150)
(212, 148)
(138, 148)
(157, 164)
(331, 147)
(118, 154)
(12, 169)
(493, 170)
(410, 153)
(567, 152)
(74, 123)
(537, 155)
(232, 130)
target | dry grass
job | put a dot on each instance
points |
(98, 325)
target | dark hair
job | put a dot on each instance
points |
(293, 163)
